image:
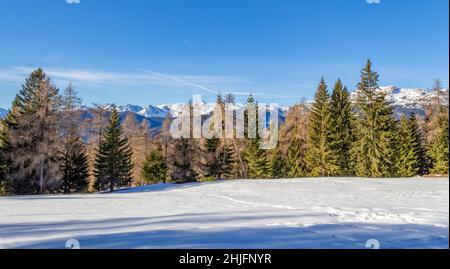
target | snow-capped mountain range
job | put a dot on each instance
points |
(148, 111)
(404, 101)
(411, 98)
(174, 110)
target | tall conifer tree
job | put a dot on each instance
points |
(74, 166)
(295, 164)
(182, 161)
(257, 162)
(411, 158)
(439, 146)
(276, 163)
(154, 168)
(375, 145)
(3, 162)
(341, 129)
(319, 156)
(113, 163)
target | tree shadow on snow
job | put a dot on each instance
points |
(109, 234)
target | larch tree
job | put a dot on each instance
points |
(33, 137)
(293, 134)
(138, 135)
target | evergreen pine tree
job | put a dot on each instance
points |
(182, 162)
(341, 129)
(226, 160)
(438, 149)
(74, 166)
(375, 146)
(319, 155)
(257, 162)
(3, 162)
(113, 165)
(276, 164)
(258, 165)
(5, 152)
(154, 168)
(411, 154)
(295, 164)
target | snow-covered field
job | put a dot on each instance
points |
(297, 213)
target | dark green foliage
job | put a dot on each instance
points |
(154, 169)
(257, 161)
(210, 164)
(183, 161)
(3, 160)
(276, 164)
(319, 157)
(218, 159)
(341, 129)
(113, 165)
(375, 146)
(438, 150)
(295, 163)
(411, 158)
(74, 166)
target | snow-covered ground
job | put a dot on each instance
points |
(297, 213)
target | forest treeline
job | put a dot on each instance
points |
(48, 146)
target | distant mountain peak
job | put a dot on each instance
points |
(407, 100)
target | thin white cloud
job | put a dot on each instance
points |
(209, 84)
(179, 80)
(142, 77)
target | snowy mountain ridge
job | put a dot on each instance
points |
(405, 100)
(414, 98)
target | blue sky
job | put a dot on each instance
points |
(164, 51)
